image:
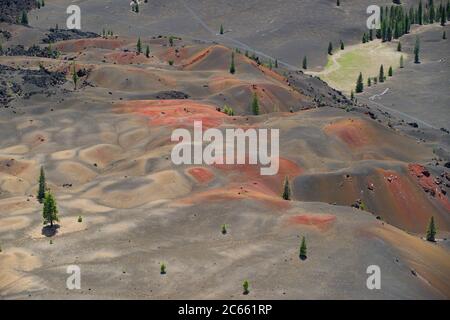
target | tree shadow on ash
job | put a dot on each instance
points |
(50, 231)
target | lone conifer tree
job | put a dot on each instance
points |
(338, 3)
(420, 13)
(42, 186)
(24, 18)
(305, 63)
(330, 48)
(245, 286)
(390, 72)
(444, 35)
(359, 84)
(75, 76)
(401, 62)
(147, 51)
(352, 95)
(221, 29)
(443, 17)
(232, 66)
(255, 104)
(286, 189)
(381, 75)
(417, 51)
(303, 250)
(431, 230)
(369, 81)
(399, 47)
(139, 46)
(342, 45)
(163, 269)
(50, 211)
(224, 229)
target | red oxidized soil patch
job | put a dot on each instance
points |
(198, 57)
(202, 175)
(224, 82)
(235, 191)
(126, 57)
(177, 113)
(81, 44)
(410, 208)
(354, 132)
(429, 184)
(251, 174)
(174, 53)
(320, 221)
(246, 182)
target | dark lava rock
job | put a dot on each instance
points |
(10, 10)
(63, 34)
(22, 83)
(33, 51)
(168, 95)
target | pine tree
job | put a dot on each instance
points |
(369, 82)
(50, 211)
(286, 190)
(255, 104)
(139, 46)
(221, 29)
(420, 13)
(389, 34)
(171, 38)
(381, 74)
(232, 66)
(431, 230)
(431, 12)
(42, 186)
(417, 51)
(342, 45)
(443, 17)
(245, 286)
(147, 51)
(136, 8)
(399, 47)
(390, 72)
(276, 63)
(330, 48)
(303, 250)
(305, 63)
(162, 269)
(338, 3)
(224, 229)
(24, 18)
(352, 95)
(401, 62)
(359, 84)
(75, 76)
